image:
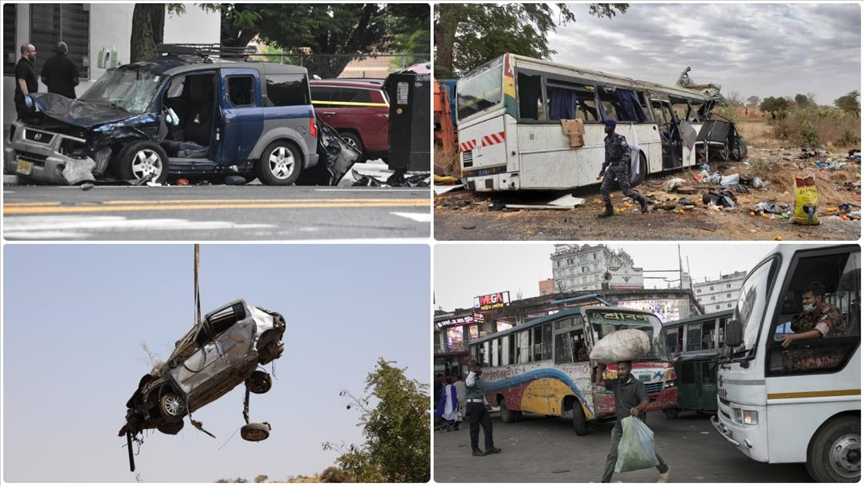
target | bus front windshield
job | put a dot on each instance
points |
(480, 90)
(604, 322)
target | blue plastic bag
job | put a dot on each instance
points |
(636, 448)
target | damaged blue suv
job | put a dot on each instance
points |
(194, 111)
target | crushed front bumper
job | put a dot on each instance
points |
(36, 154)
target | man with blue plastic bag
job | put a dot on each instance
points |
(631, 400)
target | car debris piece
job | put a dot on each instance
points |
(222, 351)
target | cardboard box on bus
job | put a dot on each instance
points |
(576, 130)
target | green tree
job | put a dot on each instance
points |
(850, 102)
(467, 35)
(774, 104)
(395, 429)
(333, 475)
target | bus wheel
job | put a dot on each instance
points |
(580, 425)
(671, 412)
(835, 454)
(507, 415)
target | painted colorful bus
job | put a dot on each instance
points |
(510, 110)
(542, 366)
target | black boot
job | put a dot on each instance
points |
(643, 204)
(610, 211)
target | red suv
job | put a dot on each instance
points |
(358, 109)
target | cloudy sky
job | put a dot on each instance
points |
(753, 49)
(463, 271)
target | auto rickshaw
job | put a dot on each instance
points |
(697, 382)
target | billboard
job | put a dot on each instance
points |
(492, 301)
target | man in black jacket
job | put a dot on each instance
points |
(25, 78)
(60, 73)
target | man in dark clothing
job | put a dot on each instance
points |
(477, 413)
(630, 399)
(60, 73)
(25, 78)
(617, 166)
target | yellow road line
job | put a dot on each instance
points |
(182, 207)
(814, 394)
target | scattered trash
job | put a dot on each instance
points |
(439, 190)
(715, 178)
(730, 180)
(235, 180)
(770, 207)
(672, 184)
(154, 184)
(399, 178)
(806, 201)
(686, 202)
(758, 183)
(468, 227)
(686, 190)
(723, 197)
(86, 186)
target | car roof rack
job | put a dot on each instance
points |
(207, 50)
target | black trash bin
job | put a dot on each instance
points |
(410, 121)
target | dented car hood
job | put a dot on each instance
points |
(76, 112)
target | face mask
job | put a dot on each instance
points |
(809, 308)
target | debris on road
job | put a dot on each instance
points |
(398, 178)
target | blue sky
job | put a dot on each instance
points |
(74, 316)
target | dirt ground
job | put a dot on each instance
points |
(463, 215)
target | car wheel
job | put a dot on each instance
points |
(834, 455)
(580, 425)
(354, 141)
(255, 432)
(141, 159)
(259, 382)
(671, 413)
(171, 428)
(171, 406)
(280, 164)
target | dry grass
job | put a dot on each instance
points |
(830, 128)
(757, 133)
(447, 165)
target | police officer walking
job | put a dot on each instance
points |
(617, 166)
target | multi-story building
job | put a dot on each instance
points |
(585, 267)
(721, 294)
(547, 286)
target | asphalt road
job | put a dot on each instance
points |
(546, 450)
(218, 212)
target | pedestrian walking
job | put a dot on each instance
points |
(460, 399)
(60, 73)
(25, 79)
(448, 406)
(477, 413)
(617, 166)
(630, 399)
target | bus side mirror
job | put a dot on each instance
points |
(733, 334)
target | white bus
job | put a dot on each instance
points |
(509, 114)
(802, 403)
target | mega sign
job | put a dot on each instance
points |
(492, 301)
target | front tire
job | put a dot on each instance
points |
(280, 164)
(259, 382)
(834, 455)
(140, 159)
(507, 415)
(671, 413)
(580, 425)
(171, 406)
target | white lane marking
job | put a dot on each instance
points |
(30, 227)
(419, 217)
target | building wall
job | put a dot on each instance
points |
(576, 268)
(720, 294)
(547, 286)
(111, 25)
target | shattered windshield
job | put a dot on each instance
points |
(604, 322)
(129, 90)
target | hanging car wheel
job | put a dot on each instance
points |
(171, 428)
(141, 159)
(834, 455)
(259, 382)
(580, 425)
(507, 415)
(280, 164)
(671, 413)
(255, 432)
(354, 141)
(171, 406)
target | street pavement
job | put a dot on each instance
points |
(541, 449)
(217, 212)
